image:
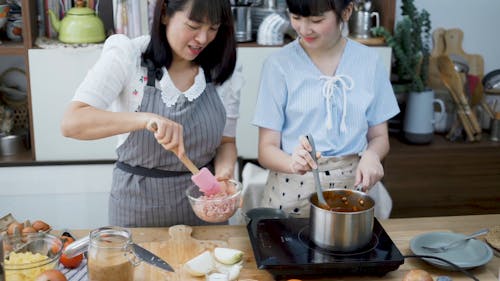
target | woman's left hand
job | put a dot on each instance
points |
(369, 170)
(223, 177)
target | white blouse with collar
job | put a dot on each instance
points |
(116, 82)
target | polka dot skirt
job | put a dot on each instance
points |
(290, 192)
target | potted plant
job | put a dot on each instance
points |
(410, 44)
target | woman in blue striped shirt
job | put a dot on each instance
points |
(333, 88)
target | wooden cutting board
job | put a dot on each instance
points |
(446, 42)
(178, 248)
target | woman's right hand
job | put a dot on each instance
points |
(168, 133)
(302, 161)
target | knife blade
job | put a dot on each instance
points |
(148, 257)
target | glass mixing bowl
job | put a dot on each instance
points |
(34, 254)
(218, 207)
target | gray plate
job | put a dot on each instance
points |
(472, 253)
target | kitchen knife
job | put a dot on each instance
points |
(148, 257)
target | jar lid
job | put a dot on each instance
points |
(79, 246)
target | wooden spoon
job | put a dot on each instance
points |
(453, 82)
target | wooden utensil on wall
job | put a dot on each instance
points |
(452, 81)
(449, 41)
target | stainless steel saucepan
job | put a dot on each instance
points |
(346, 225)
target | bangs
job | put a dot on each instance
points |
(209, 11)
(308, 8)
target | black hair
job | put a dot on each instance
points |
(307, 8)
(218, 59)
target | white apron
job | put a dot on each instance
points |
(290, 192)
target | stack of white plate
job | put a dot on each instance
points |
(258, 14)
(272, 30)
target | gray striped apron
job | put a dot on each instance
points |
(290, 192)
(149, 182)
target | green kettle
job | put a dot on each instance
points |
(79, 25)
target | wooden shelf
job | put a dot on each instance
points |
(9, 48)
(22, 157)
(374, 41)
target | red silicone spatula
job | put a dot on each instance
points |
(203, 178)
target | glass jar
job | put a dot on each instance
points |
(110, 256)
(495, 129)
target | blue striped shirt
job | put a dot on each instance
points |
(291, 99)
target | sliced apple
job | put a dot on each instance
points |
(227, 255)
(200, 265)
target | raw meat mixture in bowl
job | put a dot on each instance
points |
(217, 207)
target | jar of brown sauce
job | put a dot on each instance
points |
(110, 257)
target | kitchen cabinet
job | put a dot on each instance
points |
(11, 48)
(443, 178)
(55, 76)
(20, 49)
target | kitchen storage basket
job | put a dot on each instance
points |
(15, 99)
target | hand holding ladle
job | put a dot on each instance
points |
(321, 199)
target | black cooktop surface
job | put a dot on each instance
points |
(283, 247)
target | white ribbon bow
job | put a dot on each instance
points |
(343, 83)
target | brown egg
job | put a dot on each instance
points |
(15, 225)
(27, 223)
(28, 229)
(417, 275)
(40, 225)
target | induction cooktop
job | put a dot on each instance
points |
(283, 247)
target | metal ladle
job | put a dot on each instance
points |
(460, 63)
(317, 183)
(461, 66)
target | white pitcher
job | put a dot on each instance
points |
(360, 24)
(419, 119)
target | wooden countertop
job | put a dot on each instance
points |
(400, 230)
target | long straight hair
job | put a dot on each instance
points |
(307, 8)
(218, 59)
